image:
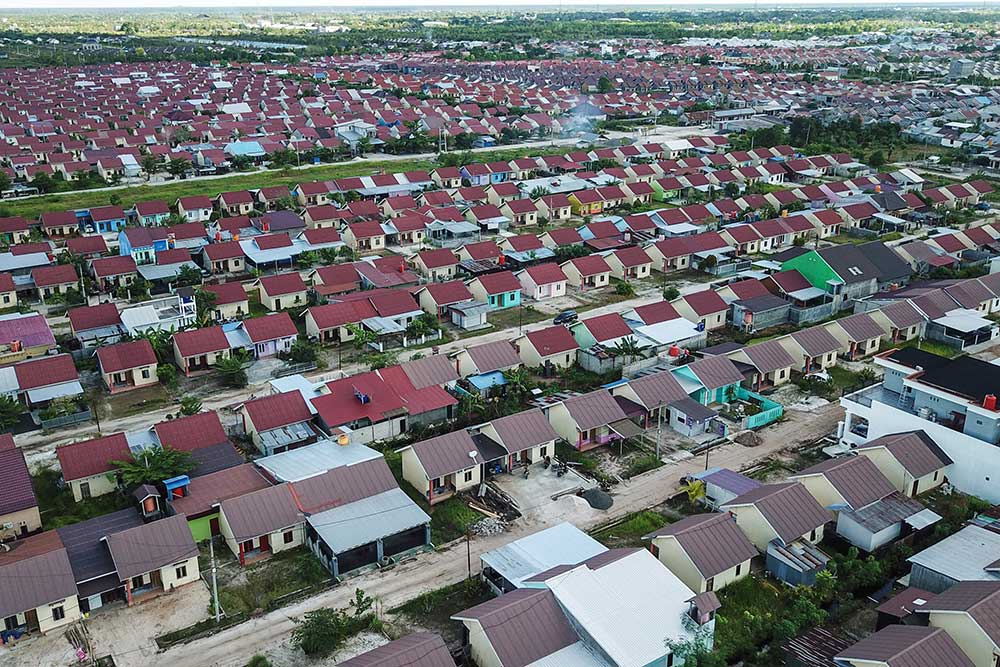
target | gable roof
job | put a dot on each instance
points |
(422, 649)
(768, 356)
(195, 342)
(15, 480)
(277, 410)
(788, 507)
(35, 572)
(151, 546)
(979, 599)
(914, 450)
(124, 356)
(493, 356)
(448, 453)
(908, 646)
(522, 430)
(261, 512)
(855, 478)
(594, 409)
(713, 542)
(192, 432)
(552, 340)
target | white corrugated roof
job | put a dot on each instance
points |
(562, 544)
(315, 459)
(352, 525)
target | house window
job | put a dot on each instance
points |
(710, 583)
(145, 373)
(543, 450)
(6, 298)
(85, 490)
(468, 476)
(181, 571)
(670, 660)
(936, 473)
(812, 535)
(288, 537)
(137, 582)
(739, 567)
(58, 613)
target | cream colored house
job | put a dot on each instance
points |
(40, 603)
(705, 551)
(968, 613)
(911, 461)
(149, 570)
(554, 345)
(785, 512)
(285, 290)
(262, 523)
(440, 467)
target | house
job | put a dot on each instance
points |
(200, 500)
(542, 281)
(19, 514)
(154, 558)
(500, 290)
(939, 567)
(552, 347)
(631, 263)
(586, 202)
(331, 323)
(239, 202)
(197, 208)
(784, 522)
(270, 334)
(967, 612)
(14, 230)
(516, 565)
(314, 193)
(43, 380)
(705, 307)
(108, 219)
(151, 213)
(814, 349)
(24, 336)
(224, 257)
(39, 603)
(436, 298)
(85, 466)
(554, 208)
(705, 551)
(524, 438)
(606, 330)
(229, 301)
(198, 350)
(585, 273)
(520, 211)
(648, 610)
(52, 280)
(125, 366)
(285, 290)
(364, 236)
(911, 461)
(420, 649)
(859, 334)
(54, 224)
(436, 265)
(772, 364)
(870, 512)
(913, 645)
(442, 466)
(113, 272)
(590, 420)
(278, 422)
(258, 524)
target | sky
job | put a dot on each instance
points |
(444, 4)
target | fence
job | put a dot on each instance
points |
(65, 420)
(770, 410)
(292, 369)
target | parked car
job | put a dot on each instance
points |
(566, 317)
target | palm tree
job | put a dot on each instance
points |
(628, 347)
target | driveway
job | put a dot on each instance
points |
(233, 647)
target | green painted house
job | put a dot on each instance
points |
(813, 268)
(200, 498)
(709, 380)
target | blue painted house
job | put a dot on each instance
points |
(142, 243)
(108, 218)
(151, 213)
(709, 380)
(499, 290)
(476, 174)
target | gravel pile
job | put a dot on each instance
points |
(748, 439)
(488, 526)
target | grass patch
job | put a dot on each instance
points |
(31, 207)
(135, 401)
(751, 608)
(510, 318)
(641, 464)
(450, 519)
(932, 346)
(58, 508)
(629, 532)
(446, 601)
(271, 583)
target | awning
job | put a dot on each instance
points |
(626, 428)
(61, 390)
(351, 525)
(922, 519)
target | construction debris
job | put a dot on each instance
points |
(748, 439)
(488, 527)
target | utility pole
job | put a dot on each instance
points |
(468, 549)
(215, 585)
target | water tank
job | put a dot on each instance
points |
(990, 402)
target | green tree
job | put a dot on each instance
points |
(190, 405)
(232, 371)
(670, 293)
(604, 85)
(154, 465)
(259, 661)
(302, 352)
(176, 167)
(166, 374)
(876, 159)
(11, 410)
(188, 276)
(151, 165)
(625, 289)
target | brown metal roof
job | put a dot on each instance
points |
(855, 478)
(902, 314)
(343, 485)
(524, 430)
(493, 356)
(715, 372)
(914, 450)
(980, 599)
(594, 409)
(448, 453)
(523, 626)
(151, 546)
(422, 649)
(860, 327)
(769, 356)
(206, 491)
(713, 542)
(34, 572)
(260, 512)
(657, 389)
(430, 371)
(909, 646)
(816, 341)
(788, 507)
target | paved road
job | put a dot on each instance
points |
(235, 646)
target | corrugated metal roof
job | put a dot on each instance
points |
(769, 356)
(788, 507)
(963, 556)
(151, 546)
(860, 327)
(523, 626)
(260, 512)
(429, 371)
(448, 453)
(909, 646)
(421, 649)
(494, 356)
(855, 478)
(524, 430)
(713, 542)
(363, 521)
(35, 571)
(816, 341)
(657, 389)
(914, 450)
(715, 372)
(345, 484)
(562, 544)
(89, 555)
(980, 599)
(594, 409)
(304, 462)
(902, 314)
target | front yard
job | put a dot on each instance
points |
(58, 508)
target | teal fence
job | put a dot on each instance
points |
(770, 410)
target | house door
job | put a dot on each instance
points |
(85, 490)
(264, 542)
(213, 525)
(913, 491)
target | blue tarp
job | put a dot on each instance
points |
(487, 380)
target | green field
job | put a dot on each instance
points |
(31, 207)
